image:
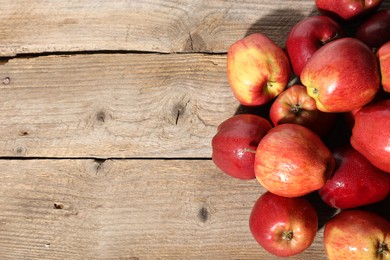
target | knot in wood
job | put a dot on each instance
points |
(203, 214)
(6, 80)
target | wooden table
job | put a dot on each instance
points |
(107, 113)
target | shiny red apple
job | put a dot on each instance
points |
(257, 69)
(235, 143)
(347, 10)
(355, 181)
(371, 133)
(295, 106)
(292, 161)
(342, 76)
(383, 55)
(375, 30)
(357, 234)
(307, 36)
(283, 226)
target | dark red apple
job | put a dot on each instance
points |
(375, 31)
(235, 143)
(342, 76)
(295, 106)
(349, 117)
(383, 55)
(347, 10)
(355, 181)
(357, 234)
(292, 161)
(257, 69)
(283, 226)
(307, 36)
(371, 133)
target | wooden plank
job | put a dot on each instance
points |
(116, 209)
(28, 26)
(113, 105)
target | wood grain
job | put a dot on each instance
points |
(127, 209)
(141, 80)
(160, 25)
(113, 105)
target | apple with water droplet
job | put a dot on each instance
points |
(283, 226)
(235, 143)
(292, 161)
(371, 133)
(342, 76)
(309, 35)
(357, 234)
(347, 10)
(355, 181)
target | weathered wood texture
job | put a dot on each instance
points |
(124, 105)
(127, 209)
(163, 26)
(87, 87)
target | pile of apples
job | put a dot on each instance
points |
(323, 127)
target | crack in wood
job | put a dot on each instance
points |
(99, 165)
(191, 42)
(181, 110)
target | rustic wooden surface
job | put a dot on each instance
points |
(116, 209)
(113, 105)
(146, 25)
(107, 110)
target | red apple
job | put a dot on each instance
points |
(283, 226)
(371, 133)
(292, 161)
(342, 76)
(295, 106)
(355, 181)
(235, 142)
(307, 36)
(257, 69)
(349, 117)
(347, 10)
(357, 234)
(375, 31)
(383, 55)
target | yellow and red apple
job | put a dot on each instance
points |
(383, 55)
(257, 69)
(357, 234)
(342, 76)
(295, 106)
(371, 133)
(292, 161)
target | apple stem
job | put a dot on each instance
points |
(288, 235)
(296, 108)
(270, 84)
(336, 35)
(383, 249)
(249, 150)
